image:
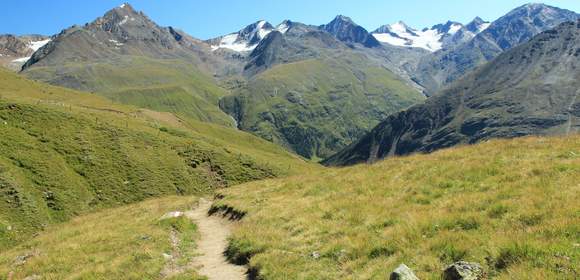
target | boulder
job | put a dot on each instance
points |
(403, 272)
(464, 271)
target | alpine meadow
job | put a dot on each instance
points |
(290, 150)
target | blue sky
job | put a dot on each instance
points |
(209, 18)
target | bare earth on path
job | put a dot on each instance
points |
(214, 232)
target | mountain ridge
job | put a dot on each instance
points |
(531, 89)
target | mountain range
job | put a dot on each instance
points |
(432, 39)
(516, 27)
(531, 89)
(125, 146)
(312, 89)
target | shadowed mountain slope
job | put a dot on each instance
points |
(531, 89)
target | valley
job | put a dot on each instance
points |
(133, 150)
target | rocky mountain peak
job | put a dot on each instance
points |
(346, 30)
(126, 7)
(477, 25)
(449, 27)
(342, 18)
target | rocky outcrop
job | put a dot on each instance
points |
(403, 272)
(464, 271)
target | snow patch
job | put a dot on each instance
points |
(404, 36)
(454, 28)
(116, 42)
(231, 42)
(484, 26)
(123, 6)
(390, 39)
(282, 28)
(36, 45)
(431, 39)
(237, 44)
(125, 19)
(22, 59)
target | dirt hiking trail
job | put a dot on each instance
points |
(214, 232)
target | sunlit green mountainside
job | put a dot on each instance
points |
(314, 94)
(350, 87)
(128, 58)
(63, 153)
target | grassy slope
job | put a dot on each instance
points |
(511, 205)
(64, 153)
(163, 85)
(317, 107)
(122, 243)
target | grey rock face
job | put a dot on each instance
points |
(403, 272)
(464, 271)
(476, 24)
(529, 90)
(516, 27)
(345, 30)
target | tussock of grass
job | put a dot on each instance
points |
(121, 243)
(510, 205)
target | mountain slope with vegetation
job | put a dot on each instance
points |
(509, 205)
(313, 94)
(529, 90)
(128, 58)
(63, 153)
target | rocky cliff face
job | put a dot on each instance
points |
(345, 30)
(530, 90)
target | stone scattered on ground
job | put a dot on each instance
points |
(464, 271)
(403, 272)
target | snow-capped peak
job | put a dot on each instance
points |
(477, 25)
(431, 39)
(246, 39)
(284, 26)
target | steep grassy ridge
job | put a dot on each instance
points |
(122, 243)
(168, 85)
(63, 153)
(510, 205)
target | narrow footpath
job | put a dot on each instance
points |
(214, 232)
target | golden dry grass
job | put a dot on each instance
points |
(510, 205)
(122, 243)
